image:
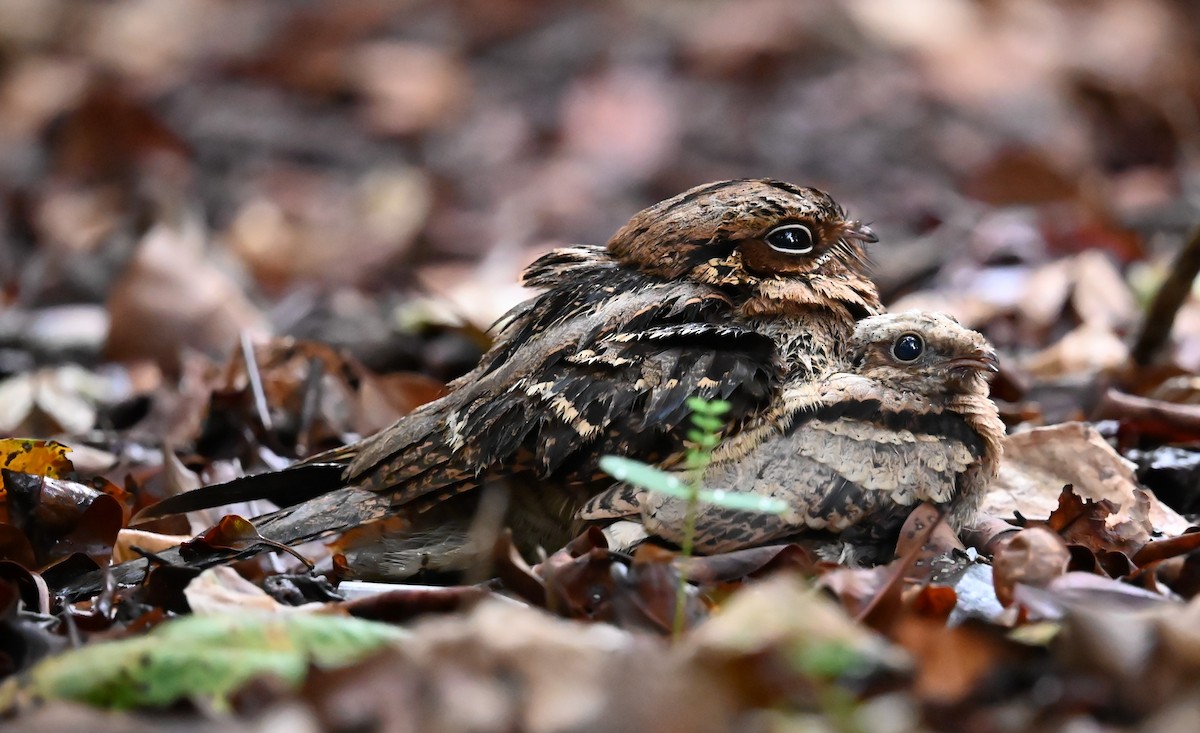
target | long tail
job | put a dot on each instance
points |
(290, 486)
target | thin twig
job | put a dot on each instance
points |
(1119, 405)
(309, 404)
(256, 385)
(1160, 316)
(686, 549)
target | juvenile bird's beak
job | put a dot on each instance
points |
(981, 359)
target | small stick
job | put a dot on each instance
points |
(309, 405)
(1160, 316)
(256, 386)
(1119, 405)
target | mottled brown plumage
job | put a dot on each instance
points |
(854, 451)
(735, 290)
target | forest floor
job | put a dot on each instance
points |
(236, 234)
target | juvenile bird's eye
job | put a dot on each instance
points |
(908, 347)
(791, 239)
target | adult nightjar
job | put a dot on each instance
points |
(740, 290)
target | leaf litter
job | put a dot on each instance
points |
(220, 223)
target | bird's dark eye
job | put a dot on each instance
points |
(791, 239)
(908, 347)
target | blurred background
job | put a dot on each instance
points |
(178, 178)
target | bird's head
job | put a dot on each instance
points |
(774, 247)
(923, 352)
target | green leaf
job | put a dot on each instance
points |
(830, 659)
(707, 422)
(640, 474)
(654, 479)
(199, 656)
(743, 501)
(708, 407)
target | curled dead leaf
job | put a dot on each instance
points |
(1033, 556)
(233, 534)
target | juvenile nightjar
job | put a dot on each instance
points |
(907, 420)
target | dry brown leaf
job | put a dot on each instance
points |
(385, 398)
(1033, 556)
(1180, 630)
(221, 590)
(1039, 462)
(403, 603)
(566, 676)
(409, 87)
(1101, 296)
(127, 539)
(172, 297)
(61, 517)
(94, 534)
(951, 662)
(476, 294)
(752, 562)
(301, 226)
(16, 548)
(151, 43)
(925, 537)
(1090, 348)
(751, 623)
(1093, 524)
(233, 534)
(622, 123)
(56, 399)
(1021, 176)
(856, 588)
(1090, 282)
(1045, 294)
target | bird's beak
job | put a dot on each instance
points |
(861, 232)
(981, 359)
